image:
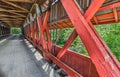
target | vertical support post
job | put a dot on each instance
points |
(46, 44)
(33, 31)
(115, 14)
(47, 30)
(29, 31)
(41, 29)
(34, 34)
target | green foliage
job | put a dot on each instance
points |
(64, 36)
(76, 45)
(110, 33)
(16, 30)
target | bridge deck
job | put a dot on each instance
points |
(16, 60)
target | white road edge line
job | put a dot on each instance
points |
(3, 40)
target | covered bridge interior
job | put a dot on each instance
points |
(42, 21)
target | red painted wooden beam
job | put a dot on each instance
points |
(41, 30)
(98, 51)
(66, 68)
(88, 15)
(95, 19)
(93, 8)
(34, 28)
(67, 44)
(114, 5)
(115, 14)
(45, 25)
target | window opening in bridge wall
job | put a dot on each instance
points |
(111, 35)
(53, 34)
(15, 30)
(64, 36)
(76, 46)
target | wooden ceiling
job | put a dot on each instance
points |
(14, 12)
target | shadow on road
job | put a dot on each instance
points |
(1, 73)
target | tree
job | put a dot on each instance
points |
(16, 30)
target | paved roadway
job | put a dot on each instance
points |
(17, 60)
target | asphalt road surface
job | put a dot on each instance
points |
(16, 60)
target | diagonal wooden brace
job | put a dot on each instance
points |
(99, 53)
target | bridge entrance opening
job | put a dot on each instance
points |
(15, 30)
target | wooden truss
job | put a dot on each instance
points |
(81, 15)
